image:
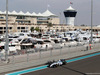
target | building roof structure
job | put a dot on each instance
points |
(70, 9)
(47, 13)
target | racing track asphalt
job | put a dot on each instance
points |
(88, 66)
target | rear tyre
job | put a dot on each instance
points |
(54, 66)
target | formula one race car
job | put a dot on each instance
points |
(53, 64)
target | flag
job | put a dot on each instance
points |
(71, 2)
(48, 5)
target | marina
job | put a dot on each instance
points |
(20, 42)
(33, 41)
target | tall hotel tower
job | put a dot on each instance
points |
(70, 14)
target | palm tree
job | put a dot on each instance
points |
(49, 25)
(37, 29)
(32, 29)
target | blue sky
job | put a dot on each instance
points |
(83, 8)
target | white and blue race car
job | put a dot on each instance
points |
(53, 64)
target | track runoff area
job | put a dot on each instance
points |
(45, 66)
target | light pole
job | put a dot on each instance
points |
(91, 20)
(6, 37)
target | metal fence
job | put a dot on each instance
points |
(31, 54)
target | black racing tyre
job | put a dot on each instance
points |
(54, 66)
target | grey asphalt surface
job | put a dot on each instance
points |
(88, 66)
